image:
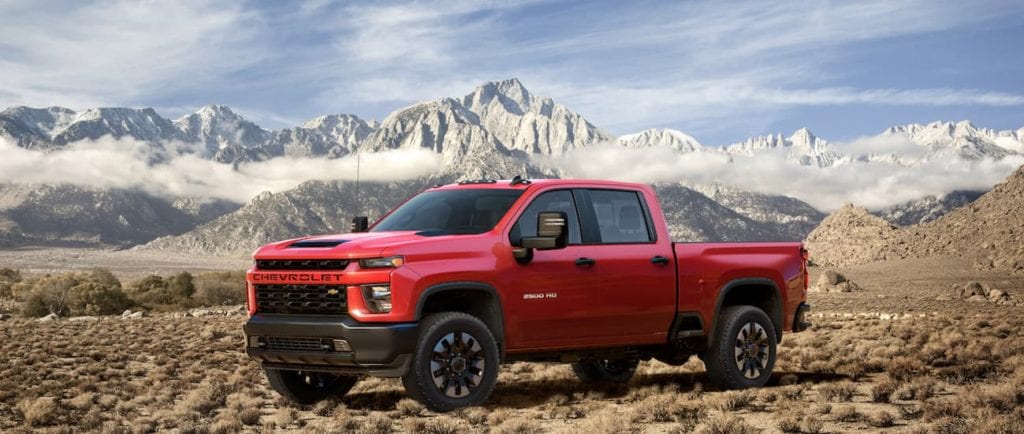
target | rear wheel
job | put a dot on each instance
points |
(743, 349)
(455, 363)
(605, 371)
(307, 388)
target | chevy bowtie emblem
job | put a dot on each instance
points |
(332, 292)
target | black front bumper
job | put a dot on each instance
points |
(383, 350)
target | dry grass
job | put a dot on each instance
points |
(951, 367)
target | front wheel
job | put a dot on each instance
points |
(605, 371)
(742, 352)
(455, 364)
(306, 388)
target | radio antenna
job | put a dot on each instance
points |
(359, 208)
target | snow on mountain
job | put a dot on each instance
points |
(802, 147)
(961, 139)
(217, 129)
(675, 139)
(535, 125)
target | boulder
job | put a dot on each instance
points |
(977, 299)
(847, 286)
(4, 316)
(127, 313)
(996, 294)
(139, 314)
(974, 288)
(831, 277)
(48, 318)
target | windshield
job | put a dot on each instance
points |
(461, 211)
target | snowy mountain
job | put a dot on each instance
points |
(961, 139)
(803, 148)
(675, 139)
(214, 132)
(928, 208)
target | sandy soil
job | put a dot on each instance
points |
(126, 264)
(889, 358)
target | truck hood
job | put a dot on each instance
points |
(345, 246)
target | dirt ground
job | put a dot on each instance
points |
(889, 358)
(126, 264)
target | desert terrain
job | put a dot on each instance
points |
(904, 353)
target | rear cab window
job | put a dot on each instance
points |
(621, 217)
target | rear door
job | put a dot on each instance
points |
(636, 282)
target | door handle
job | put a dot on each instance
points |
(659, 260)
(585, 262)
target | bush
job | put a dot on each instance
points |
(74, 294)
(8, 278)
(154, 290)
(219, 288)
(91, 298)
(51, 295)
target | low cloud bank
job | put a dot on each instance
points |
(873, 185)
(125, 163)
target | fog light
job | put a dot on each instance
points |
(342, 345)
(256, 342)
(378, 298)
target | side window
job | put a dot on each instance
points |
(560, 200)
(620, 216)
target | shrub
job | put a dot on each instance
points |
(726, 425)
(8, 278)
(789, 424)
(92, 298)
(154, 290)
(51, 295)
(219, 288)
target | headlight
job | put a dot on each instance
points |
(388, 262)
(378, 298)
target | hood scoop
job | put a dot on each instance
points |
(305, 244)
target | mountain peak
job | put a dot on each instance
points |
(506, 91)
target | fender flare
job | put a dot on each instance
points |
(467, 286)
(775, 315)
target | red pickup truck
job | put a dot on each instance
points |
(462, 278)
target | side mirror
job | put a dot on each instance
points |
(360, 224)
(551, 234)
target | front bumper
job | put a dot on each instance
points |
(383, 350)
(800, 322)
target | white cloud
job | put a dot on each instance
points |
(873, 185)
(109, 163)
(110, 53)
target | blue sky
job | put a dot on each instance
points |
(720, 71)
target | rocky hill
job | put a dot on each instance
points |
(989, 231)
(928, 208)
(849, 236)
(65, 214)
(315, 207)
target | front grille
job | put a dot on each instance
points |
(301, 264)
(301, 299)
(297, 344)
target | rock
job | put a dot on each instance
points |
(84, 318)
(996, 294)
(4, 316)
(974, 288)
(139, 314)
(943, 298)
(127, 313)
(183, 315)
(831, 277)
(48, 318)
(977, 299)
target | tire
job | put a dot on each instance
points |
(605, 371)
(743, 349)
(306, 388)
(464, 354)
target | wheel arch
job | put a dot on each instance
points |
(479, 299)
(759, 292)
